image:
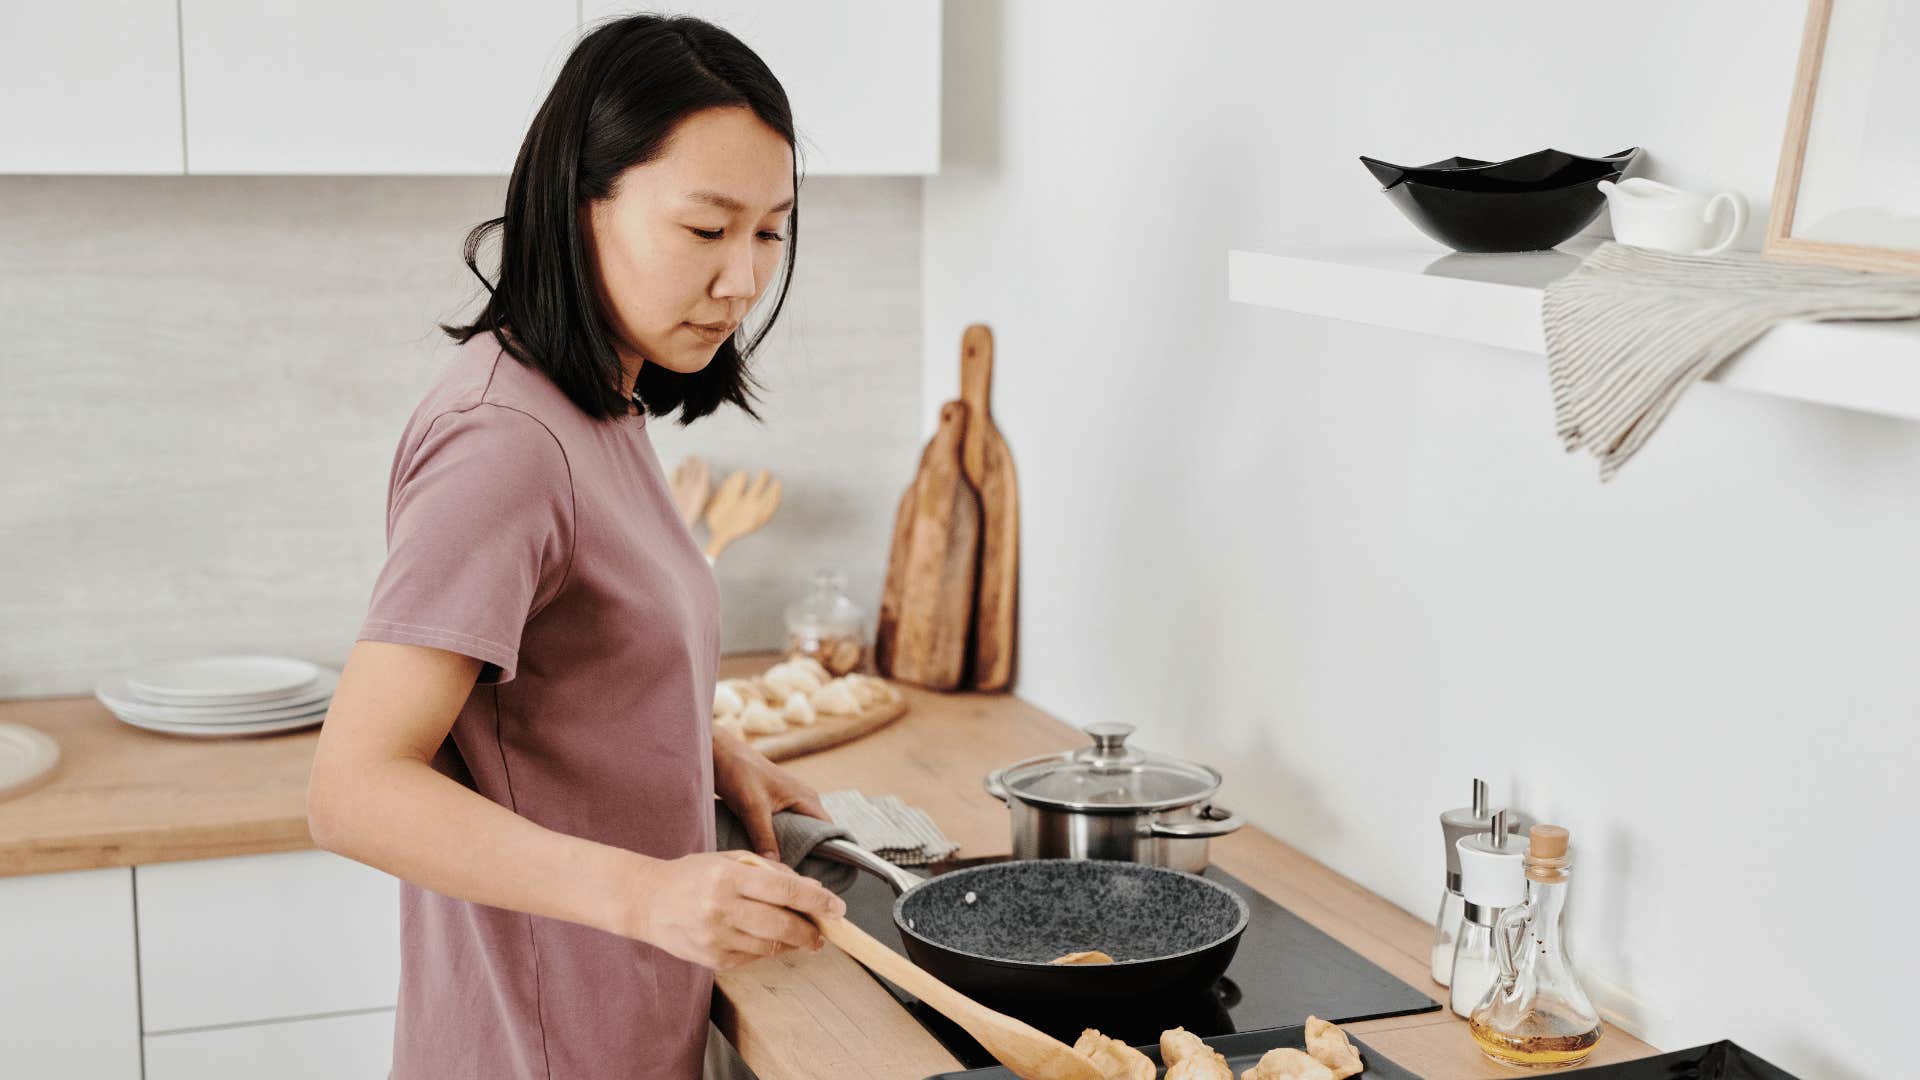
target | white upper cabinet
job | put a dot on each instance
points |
(422, 87)
(863, 76)
(90, 87)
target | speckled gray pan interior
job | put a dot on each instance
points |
(1036, 910)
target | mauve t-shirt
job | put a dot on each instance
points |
(547, 545)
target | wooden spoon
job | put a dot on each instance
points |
(1030, 1053)
(692, 483)
(738, 509)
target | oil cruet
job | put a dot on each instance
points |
(1535, 1014)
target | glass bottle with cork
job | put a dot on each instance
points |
(1536, 1014)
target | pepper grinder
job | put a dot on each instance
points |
(1456, 825)
(1493, 877)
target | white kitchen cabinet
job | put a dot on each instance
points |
(90, 87)
(68, 1004)
(367, 86)
(265, 937)
(358, 1046)
(863, 76)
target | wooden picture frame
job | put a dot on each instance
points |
(1781, 243)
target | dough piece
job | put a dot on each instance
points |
(1091, 956)
(1329, 1046)
(760, 718)
(730, 725)
(813, 667)
(727, 700)
(1286, 1063)
(1177, 1043)
(1203, 1064)
(1115, 1059)
(798, 711)
(836, 698)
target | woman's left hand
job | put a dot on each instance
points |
(755, 789)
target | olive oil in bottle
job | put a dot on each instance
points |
(1535, 1014)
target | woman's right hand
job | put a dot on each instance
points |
(715, 911)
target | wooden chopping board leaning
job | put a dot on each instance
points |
(947, 608)
(989, 468)
(926, 610)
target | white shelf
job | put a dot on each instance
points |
(1495, 300)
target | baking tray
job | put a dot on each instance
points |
(1241, 1051)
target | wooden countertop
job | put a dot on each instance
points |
(124, 797)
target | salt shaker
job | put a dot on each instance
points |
(1493, 878)
(1456, 825)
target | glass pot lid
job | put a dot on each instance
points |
(1109, 776)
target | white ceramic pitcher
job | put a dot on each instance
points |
(1650, 214)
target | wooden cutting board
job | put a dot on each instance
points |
(926, 606)
(989, 468)
(829, 731)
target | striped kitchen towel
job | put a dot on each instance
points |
(884, 824)
(1632, 328)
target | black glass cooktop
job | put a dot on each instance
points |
(1283, 970)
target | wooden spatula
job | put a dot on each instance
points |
(692, 483)
(1030, 1053)
(739, 508)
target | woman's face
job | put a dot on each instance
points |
(689, 241)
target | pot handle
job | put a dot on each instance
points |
(852, 854)
(994, 787)
(1214, 821)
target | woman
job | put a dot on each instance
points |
(521, 733)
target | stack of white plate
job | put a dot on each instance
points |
(216, 696)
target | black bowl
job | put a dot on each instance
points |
(1528, 203)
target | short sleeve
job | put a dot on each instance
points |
(479, 537)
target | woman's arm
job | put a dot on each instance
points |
(374, 796)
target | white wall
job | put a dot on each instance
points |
(1353, 567)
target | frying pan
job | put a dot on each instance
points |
(989, 931)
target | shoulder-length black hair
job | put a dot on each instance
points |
(617, 100)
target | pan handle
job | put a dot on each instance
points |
(1214, 821)
(852, 854)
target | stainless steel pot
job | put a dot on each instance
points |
(1110, 801)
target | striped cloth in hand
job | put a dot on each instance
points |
(1632, 328)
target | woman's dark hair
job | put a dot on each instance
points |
(616, 102)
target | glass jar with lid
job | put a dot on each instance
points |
(827, 625)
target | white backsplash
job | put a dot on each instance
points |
(204, 379)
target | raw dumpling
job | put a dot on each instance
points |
(727, 700)
(811, 666)
(1286, 1063)
(760, 718)
(868, 690)
(1177, 1043)
(1115, 1059)
(786, 679)
(1204, 1064)
(1329, 1046)
(836, 698)
(730, 725)
(749, 690)
(798, 711)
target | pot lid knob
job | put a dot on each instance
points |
(1109, 745)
